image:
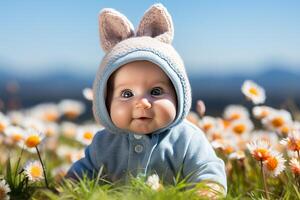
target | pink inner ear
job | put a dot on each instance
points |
(114, 27)
(157, 23)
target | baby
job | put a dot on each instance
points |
(142, 96)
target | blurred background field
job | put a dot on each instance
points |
(50, 50)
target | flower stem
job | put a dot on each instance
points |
(44, 171)
(264, 180)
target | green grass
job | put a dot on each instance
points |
(244, 182)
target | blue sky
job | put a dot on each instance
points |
(223, 36)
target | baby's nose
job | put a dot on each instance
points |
(143, 103)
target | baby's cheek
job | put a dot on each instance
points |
(166, 111)
(120, 115)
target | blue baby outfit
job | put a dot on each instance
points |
(181, 147)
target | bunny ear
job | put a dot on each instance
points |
(157, 23)
(113, 27)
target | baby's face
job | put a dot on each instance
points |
(142, 99)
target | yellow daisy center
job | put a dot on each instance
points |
(261, 154)
(253, 91)
(264, 113)
(295, 169)
(285, 130)
(16, 137)
(228, 149)
(206, 127)
(32, 141)
(298, 145)
(235, 116)
(35, 171)
(2, 127)
(51, 117)
(277, 122)
(272, 163)
(88, 135)
(216, 135)
(294, 144)
(71, 114)
(226, 123)
(239, 129)
(2, 193)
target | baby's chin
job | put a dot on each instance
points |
(145, 129)
(142, 131)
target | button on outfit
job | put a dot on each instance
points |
(138, 148)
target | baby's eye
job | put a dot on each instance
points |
(127, 93)
(157, 91)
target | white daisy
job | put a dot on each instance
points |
(33, 123)
(71, 108)
(292, 142)
(225, 145)
(16, 117)
(47, 112)
(4, 190)
(295, 166)
(268, 136)
(192, 117)
(217, 131)
(34, 171)
(69, 154)
(85, 134)
(51, 129)
(153, 182)
(259, 149)
(64, 152)
(277, 119)
(253, 92)
(296, 125)
(274, 165)
(33, 138)
(240, 127)
(237, 155)
(4, 123)
(207, 123)
(260, 112)
(15, 133)
(235, 112)
(68, 129)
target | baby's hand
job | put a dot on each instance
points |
(213, 191)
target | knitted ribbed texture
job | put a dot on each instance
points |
(152, 42)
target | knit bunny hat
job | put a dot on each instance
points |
(151, 42)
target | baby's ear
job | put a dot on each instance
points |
(157, 23)
(113, 27)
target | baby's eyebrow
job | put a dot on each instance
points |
(120, 85)
(163, 82)
(156, 82)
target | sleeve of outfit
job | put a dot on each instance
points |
(201, 162)
(86, 165)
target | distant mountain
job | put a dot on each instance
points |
(216, 91)
(219, 91)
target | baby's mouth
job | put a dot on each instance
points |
(143, 118)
